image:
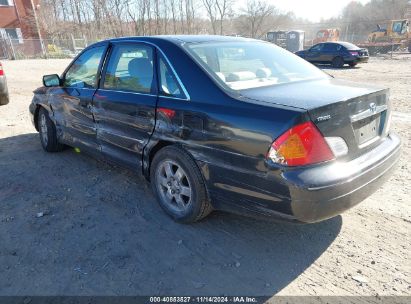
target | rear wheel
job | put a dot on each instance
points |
(179, 186)
(338, 62)
(48, 133)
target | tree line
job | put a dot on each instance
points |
(100, 19)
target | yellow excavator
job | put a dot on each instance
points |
(394, 35)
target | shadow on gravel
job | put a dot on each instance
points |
(70, 225)
(329, 67)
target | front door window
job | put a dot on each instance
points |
(83, 72)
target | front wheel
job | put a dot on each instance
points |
(338, 62)
(179, 186)
(352, 64)
(48, 133)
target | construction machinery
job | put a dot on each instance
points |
(327, 35)
(392, 36)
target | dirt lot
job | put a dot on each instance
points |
(104, 234)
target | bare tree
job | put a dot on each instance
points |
(224, 9)
(211, 9)
(254, 18)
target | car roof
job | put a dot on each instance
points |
(348, 45)
(179, 39)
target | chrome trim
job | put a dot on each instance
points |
(130, 92)
(175, 74)
(171, 97)
(368, 113)
(144, 94)
(168, 62)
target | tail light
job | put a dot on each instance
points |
(1, 70)
(301, 145)
(354, 53)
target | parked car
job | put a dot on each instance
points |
(4, 93)
(335, 53)
(222, 123)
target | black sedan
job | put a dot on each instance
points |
(335, 53)
(4, 94)
(222, 123)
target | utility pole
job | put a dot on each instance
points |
(36, 20)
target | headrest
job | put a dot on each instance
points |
(140, 68)
(263, 73)
(239, 76)
(221, 76)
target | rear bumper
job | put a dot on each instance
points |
(322, 192)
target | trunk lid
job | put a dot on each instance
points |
(357, 113)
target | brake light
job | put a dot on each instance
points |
(301, 145)
(1, 70)
(354, 53)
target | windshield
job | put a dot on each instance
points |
(252, 64)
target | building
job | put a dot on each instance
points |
(18, 23)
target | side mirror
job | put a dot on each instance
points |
(51, 80)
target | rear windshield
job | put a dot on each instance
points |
(251, 64)
(349, 46)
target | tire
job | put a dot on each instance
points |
(179, 185)
(48, 133)
(338, 62)
(352, 64)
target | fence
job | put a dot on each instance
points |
(44, 48)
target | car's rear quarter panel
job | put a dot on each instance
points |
(228, 138)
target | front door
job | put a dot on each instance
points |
(71, 102)
(124, 106)
(314, 54)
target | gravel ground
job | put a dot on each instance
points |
(102, 232)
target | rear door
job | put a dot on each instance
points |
(124, 104)
(71, 102)
(329, 52)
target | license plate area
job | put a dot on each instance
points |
(367, 129)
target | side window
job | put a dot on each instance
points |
(130, 68)
(168, 83)
(331, 47)
(83, 72)
(317, 48)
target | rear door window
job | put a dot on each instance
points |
(130, 68)
(332, 47)
(168, 82)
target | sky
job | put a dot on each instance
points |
(312, 10)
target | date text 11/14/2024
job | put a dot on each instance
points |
(204, 299)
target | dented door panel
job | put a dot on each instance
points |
(124, 122)
(72, 113)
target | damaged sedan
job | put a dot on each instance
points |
(222, 123)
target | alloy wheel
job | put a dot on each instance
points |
(173, 185)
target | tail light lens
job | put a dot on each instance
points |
(301, 145)
(1, 70)
(354, 53)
